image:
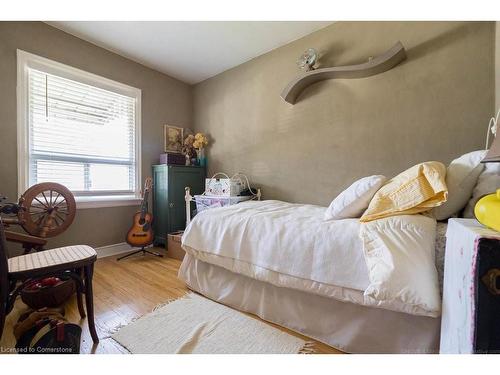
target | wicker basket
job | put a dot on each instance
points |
(174, 249)
(49, 296)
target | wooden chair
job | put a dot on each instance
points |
(72, 261)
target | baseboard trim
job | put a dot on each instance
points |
(115, 249)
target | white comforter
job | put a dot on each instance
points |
(290, 245)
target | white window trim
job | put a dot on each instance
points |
(26, 60)
(107, 201)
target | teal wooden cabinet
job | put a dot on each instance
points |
(169, 210)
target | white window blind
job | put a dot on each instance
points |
(81, 136)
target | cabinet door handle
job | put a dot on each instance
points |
(171, 205)
(490, 280)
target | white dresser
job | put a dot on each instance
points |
(470, 320)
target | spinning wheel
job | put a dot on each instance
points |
(46, 209)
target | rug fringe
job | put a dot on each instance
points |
(114, 330)
(169, 301)
(309, 347)
(159, 306)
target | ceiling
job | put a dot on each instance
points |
(188, 50)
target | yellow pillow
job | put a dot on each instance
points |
(415, 190)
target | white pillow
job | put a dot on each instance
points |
(487, 183)
(461, 177)
(354, 200)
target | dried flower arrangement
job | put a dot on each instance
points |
(193, 148)
(200, 141)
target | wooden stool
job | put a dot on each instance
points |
(70, 261)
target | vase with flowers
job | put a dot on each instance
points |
(189, 151)
(200, 142)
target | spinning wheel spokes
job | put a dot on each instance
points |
(48, 209)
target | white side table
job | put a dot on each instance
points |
(470, 320)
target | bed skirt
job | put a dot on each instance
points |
(343, 325)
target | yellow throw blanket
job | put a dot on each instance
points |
(418, 189)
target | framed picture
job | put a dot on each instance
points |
(173, 137)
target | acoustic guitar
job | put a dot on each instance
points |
(141, 232)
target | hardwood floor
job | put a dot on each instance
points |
(124, 291)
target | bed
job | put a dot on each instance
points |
(285, 264)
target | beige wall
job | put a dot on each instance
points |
(497, 66)
(436, 105)
(164, 100)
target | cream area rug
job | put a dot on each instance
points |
(194, 324)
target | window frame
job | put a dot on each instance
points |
(25, 61)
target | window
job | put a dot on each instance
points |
(78, 129)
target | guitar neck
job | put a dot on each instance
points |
(144, 205)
